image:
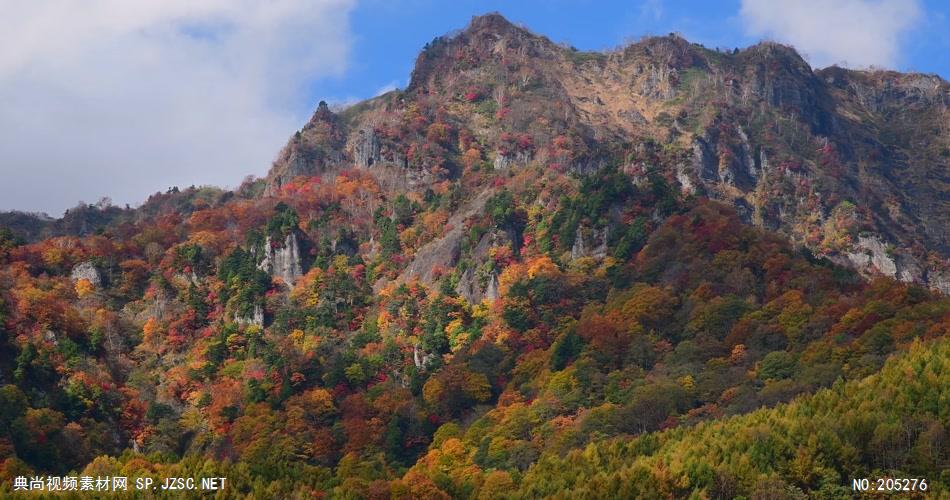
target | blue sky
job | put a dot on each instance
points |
(388, 34)
(121, 99)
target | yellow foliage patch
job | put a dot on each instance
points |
(84, 287)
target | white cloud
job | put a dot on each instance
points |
(389, 87)
(124, 98)
(855, 33)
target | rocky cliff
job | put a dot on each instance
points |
(283, 260)
(833, 158)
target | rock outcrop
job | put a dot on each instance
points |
(255, 318)
(589, 243)
(283, 261)
(873, 252)
(871, 255)
(441, 253)
(504, 161)
(476, 286)
(317, 147)
(366, 148)
(87, 271)
(480, 280)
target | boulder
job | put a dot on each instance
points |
(87, 271)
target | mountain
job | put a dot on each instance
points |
(661, 270)
(854, 165)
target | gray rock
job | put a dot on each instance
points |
(398, 159)
(502, 162)
(584, 246)
(939, 280)
(763, 161)
(872, 254)
(580, 246)
(748, 163)
(442, 252)
(633, 116)
(256, 317)
(477, 284)
(471, 288)
(283, 262)
(366, 148)
(687, 186)
(468, 287)
(491, 291)
(421, 358)
(908, 270)
(87, 271)
(705, 163)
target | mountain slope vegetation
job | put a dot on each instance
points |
(535, 270)
(813, 446)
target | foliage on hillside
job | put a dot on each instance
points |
(689, 315)
(578, 307)
(889, 425)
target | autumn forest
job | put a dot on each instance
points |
(494, 284)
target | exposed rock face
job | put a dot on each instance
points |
(756, 128)
(873, 256)
(256, 317)
(940, 281)
(503, 161)
(481, 281)
(704, 161)
(687, 186)
(468, 287)
(589, 243)
(439, 254)
(421, 358)
(472, 288)
(317, 147)
(491, 291)
(443, 252)
(283, 262)
(86, 271)
(366, 148)
(873, 252)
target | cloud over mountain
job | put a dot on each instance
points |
(121, 98)
(854, 33)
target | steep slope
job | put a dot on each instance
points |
(854, 165)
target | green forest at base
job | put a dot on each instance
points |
(888, 425)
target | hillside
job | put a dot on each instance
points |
(812, 447)
(531, 263)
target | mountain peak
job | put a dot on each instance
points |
(778, 53)
(492, 22)
(471, 46)
(732, 124)
(323, 113)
